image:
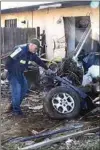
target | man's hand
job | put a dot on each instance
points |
(4, 74)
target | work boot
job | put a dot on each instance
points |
(9, 109)
(18, 115)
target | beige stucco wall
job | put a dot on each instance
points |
(47, 20)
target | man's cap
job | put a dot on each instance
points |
(36, 42)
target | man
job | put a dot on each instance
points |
(16, 64)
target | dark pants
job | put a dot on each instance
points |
(19, 89)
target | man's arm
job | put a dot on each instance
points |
(39, 61)
(12, 57)
(8, 65)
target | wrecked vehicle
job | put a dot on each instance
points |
(70, 97)
(65, 99)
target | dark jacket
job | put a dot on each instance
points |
(20, 59)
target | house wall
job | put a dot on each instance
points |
(51, 20)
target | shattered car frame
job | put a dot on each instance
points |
(67, 99)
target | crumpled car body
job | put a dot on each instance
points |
(91, 59)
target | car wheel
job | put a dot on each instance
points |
(62, 103)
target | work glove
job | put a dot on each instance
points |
(49, 72)
(4, 74)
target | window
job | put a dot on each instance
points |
(11, 23)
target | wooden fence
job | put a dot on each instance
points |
(10, 37)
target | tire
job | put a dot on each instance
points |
(52, 112)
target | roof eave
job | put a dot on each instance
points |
(63, 4)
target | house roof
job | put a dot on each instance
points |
(60, 4)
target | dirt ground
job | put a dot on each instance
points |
(37, 120)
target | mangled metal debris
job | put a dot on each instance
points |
(58, 139)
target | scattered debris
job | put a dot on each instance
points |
(34, 132)
(36, 107)
(68, 142)
(58, 139)
(38, 121)
(27, 143)
(89, 134)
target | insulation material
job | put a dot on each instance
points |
(93, 72)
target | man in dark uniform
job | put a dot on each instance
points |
(16, 64)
